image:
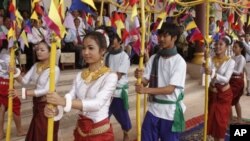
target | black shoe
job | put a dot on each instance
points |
(248, 94)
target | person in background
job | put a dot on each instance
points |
(4, 90)
(118, 61)
(246, 42)
(237, 79)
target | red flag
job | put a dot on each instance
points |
(38, 9)
(196, 35)
(235, 27)
(125, 35)
(132, 2)
(90, 20)
(231, 18)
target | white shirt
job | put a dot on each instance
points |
(37, 36)
(120, 63)
(224, 73)
(96, 96)
(41, 81)
(70, 36)
(240, 63)
(4, 63)
(171, 71)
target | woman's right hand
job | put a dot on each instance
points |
(55, 99)
(13, 93)
(138, 73)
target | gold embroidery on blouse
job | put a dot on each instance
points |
(89, 76)
(219, 61)
(41, 67)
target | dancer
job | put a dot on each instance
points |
(165, 73)
(91, 93)
(220, 93)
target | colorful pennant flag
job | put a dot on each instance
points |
(191, 25)
(34, 16)
(90, 3)
(134, 12)
(55, 18)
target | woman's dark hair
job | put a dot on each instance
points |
(46, 44)
(4, 44)
(171, 29)
(111, 33)
(241, 45)
(98, 37)
(227, 39)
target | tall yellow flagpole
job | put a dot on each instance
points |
(52, 64)
(206, 65)
(101, 13)
(10, 99)
(138, 98)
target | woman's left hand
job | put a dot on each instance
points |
(50, 111)
(56, 99)
(139, 88)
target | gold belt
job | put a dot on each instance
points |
(96, 131)
(214, 89)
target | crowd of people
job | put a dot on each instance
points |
(100, 90)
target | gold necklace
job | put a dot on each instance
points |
(89, 76)
(219, 61)
(41, 67)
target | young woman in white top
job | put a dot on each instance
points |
(39, 75)
(237, 79)
(91, 93)
(220, 93)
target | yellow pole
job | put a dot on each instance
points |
(206, 78)
(138, 98)
(51, 87)
(101, 13)
(10, 100)
(145, 95)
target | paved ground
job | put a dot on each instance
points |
(194, 100)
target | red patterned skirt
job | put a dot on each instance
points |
(237, 85)
(39, 123)
(87, 130)
(4, 88)
(219, 108)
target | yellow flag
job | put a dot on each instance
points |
(162, 16)
(248, 22)
(11, 33)
(119, 25)
(160, 24)
(34, 16)
(25, 39)
(19, 19)
(90, 3)
(191, 25)
(57, 3)
(54, 16)
(235, 37)
(134, 12)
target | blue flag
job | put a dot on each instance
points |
(79, 5)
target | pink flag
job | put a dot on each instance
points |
(52, 25)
